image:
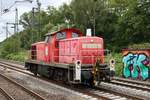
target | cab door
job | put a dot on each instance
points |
(48, 49)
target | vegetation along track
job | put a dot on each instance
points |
(13, 88)
(98, 92)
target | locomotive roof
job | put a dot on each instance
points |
(66, 29)
(133, 49)
(51, 33)
(42, 42)
(83, 37)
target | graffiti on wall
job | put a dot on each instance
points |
(136, 66)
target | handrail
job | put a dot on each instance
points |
(100, 53)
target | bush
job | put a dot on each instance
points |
(140, 46)
(119, 64)
(20, 56)
(9, 46)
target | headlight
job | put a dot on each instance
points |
(112, 63)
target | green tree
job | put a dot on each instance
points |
(133, 25)
(95, 14)
(34, 27)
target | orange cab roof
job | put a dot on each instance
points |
(42, 42)
(66, 29)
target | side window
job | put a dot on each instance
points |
(61, 35)
(73, 35)
(48, 39)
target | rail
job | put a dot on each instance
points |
(135, 85)
(9, 97)
(37, 96)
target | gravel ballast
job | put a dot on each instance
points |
(46, 89)
(15, 91)
(126, 90)
(2, 97)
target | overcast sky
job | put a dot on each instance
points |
(22, 7)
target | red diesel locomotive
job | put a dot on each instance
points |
(68, 56)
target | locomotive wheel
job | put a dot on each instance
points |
(107, 78)
(35, 73)
(65, 78)
(91, 82)
(34, 70)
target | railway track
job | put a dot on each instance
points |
(6, 95)
(9, 82)
(112, 95)
(132, 81)
(12, 65)
(132, 85)
(97, 92)
(128, 90)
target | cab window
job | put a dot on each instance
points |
(73, 35)
(61, 35)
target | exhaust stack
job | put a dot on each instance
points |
(88, 32)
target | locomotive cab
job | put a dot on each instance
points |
(90, 52)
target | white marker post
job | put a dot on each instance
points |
(78, 70)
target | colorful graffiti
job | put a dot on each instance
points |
(136, 66)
